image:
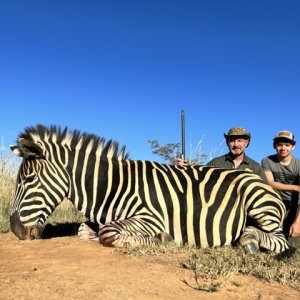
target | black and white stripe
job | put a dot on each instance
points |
(135, 202)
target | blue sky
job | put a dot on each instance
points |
(125, 69)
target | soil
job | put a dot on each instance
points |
(69, 268)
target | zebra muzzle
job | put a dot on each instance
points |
(24, 232)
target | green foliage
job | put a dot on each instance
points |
(168, 152)
(171, 151)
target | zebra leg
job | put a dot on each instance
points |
(128, 233)
(164, 237)
(253, 239)
(88, 231)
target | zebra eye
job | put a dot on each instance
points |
(29, 178)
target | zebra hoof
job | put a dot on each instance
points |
(251, 247)
(164, 237)
(85, 232)
(249, 241)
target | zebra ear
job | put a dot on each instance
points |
(27, 149)
(15, 150)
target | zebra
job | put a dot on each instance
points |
(138, 202)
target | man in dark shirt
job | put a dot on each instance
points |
(237, 140)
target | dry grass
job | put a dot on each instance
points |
(7, 186)
(211, 266)
(66, 213)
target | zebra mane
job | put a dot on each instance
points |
(72, 138)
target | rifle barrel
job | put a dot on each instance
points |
(182, 135)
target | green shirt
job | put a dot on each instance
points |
(248, 164)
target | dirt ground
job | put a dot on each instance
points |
(70, 268)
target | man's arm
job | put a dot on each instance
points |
(281, 186)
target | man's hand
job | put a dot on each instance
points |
(181, 162)
(295, 229)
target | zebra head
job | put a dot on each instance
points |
(41, 186)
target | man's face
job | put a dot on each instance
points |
(284, 149)
(237, 145)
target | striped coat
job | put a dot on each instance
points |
(140, 202)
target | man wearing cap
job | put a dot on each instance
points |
(283, 173)
(237, 140)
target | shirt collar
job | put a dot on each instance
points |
(246, 159)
